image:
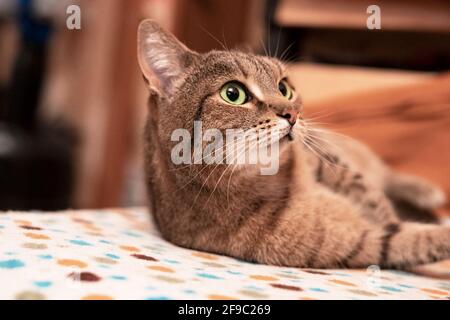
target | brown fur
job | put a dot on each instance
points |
(328, 206)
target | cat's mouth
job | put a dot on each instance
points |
(288, 137)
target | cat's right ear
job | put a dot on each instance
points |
(162, 58)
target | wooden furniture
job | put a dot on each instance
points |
(319, 82)
(411, 15)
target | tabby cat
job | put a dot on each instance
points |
(330, 204)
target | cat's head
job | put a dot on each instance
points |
(221, 89)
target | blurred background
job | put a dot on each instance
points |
(73, 103)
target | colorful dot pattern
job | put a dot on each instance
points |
(118, 254)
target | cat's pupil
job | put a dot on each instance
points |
(282, 88)
(233, 93)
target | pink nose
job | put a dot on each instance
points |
(290, 115)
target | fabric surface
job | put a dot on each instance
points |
(408, 126)
(118, 254)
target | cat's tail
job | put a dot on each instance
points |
(354, 243)
(407, 245)
(415, 248)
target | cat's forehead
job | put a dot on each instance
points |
(264, 70)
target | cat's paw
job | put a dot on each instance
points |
(427, 196)
(417, 191)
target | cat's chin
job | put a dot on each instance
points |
(270, 166)
(286, 141)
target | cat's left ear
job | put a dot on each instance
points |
(162, 58)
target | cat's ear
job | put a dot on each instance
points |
(162, 58)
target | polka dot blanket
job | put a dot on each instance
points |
(118, 254)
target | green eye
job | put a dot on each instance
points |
(285, 89)
(234, 93)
